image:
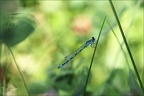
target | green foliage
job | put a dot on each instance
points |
(135, 90)
(64, 26)
(16, 28)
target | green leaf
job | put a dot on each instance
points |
(16, 28)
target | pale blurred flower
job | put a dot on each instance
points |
(82, 25)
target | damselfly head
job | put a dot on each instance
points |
(93, 39)
(94, 42)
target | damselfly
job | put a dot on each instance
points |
(89, 42)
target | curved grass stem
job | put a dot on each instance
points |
(84, 92)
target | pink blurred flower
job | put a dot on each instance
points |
(82, 25)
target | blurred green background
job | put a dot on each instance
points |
(43, 32)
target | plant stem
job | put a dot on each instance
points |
(84, 93)
(127, 46)
(19, 70)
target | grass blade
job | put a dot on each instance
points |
(93, 58)
(127, 46)
(120, 44)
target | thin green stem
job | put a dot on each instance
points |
(19, 70)
(1, 90)
(127, 46)
(121, 44)
(84, 93)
